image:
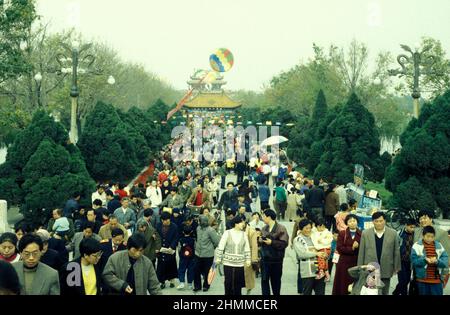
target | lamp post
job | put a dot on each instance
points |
(421, 65)
(38, 79)
(76, 51)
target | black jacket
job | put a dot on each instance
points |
(52, 259)
(60, 247)
(106, 248)
(68, 275)
(274, 253)
(228, 200)
(315, 198)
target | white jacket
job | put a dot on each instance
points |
(155, 195)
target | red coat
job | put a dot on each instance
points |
(348, 258)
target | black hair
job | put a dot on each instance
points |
(319, 221)
(270, 213)
(97, 202)
(122, 186)
(8, 237)
(428, 229)
(109, 193)
(136, 241)
(410, 221)
(237, 219)
(279, 183)
(316, 182)
(231, 212)
(76, 194)
(89, 246)
(116, 232)
(425, 212)
(148, 213)
(303, 223)
(24, 227)
(305, 182)
(88, 225)
(343, 207)
(330, 189)
(165, 215)
(352, 202)
(9, 280)
(351, 216)
(28, 239)
(377, 215)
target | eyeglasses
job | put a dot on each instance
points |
(35, 254)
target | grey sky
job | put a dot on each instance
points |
(173, 37)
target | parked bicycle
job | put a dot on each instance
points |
(396, 218)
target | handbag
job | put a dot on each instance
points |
(212, 273)
(336, 255)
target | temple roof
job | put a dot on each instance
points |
(212, 100)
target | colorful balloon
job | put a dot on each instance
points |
(222, 60)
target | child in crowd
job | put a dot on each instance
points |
(322, 239)
(61, 225)
(430, 261)
(187, 260)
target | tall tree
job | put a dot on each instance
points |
(42, 170)
(112, 149)
(419, 176)
(351, 138)
(16, 18)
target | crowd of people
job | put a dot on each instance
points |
(177, 227)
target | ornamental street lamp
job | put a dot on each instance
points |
(421, 65)
(38, 79)
(75, 52)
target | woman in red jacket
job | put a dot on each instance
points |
(348, 246)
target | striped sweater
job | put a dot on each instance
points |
(425, 272)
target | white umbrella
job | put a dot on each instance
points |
(273, 140)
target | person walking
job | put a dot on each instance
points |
(381, 244)
(207, 241)
(274, 240)
(234, 253)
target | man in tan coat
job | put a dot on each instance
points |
(105, 230)
(250, 272)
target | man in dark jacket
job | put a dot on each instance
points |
(406, 243)
(82, 276)
(264, 195)
(273, 242)
(315, 199)
(113, 201)
(72, 206)
(109, 247)
(50, 257)
(228, 200)
(240, 170)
